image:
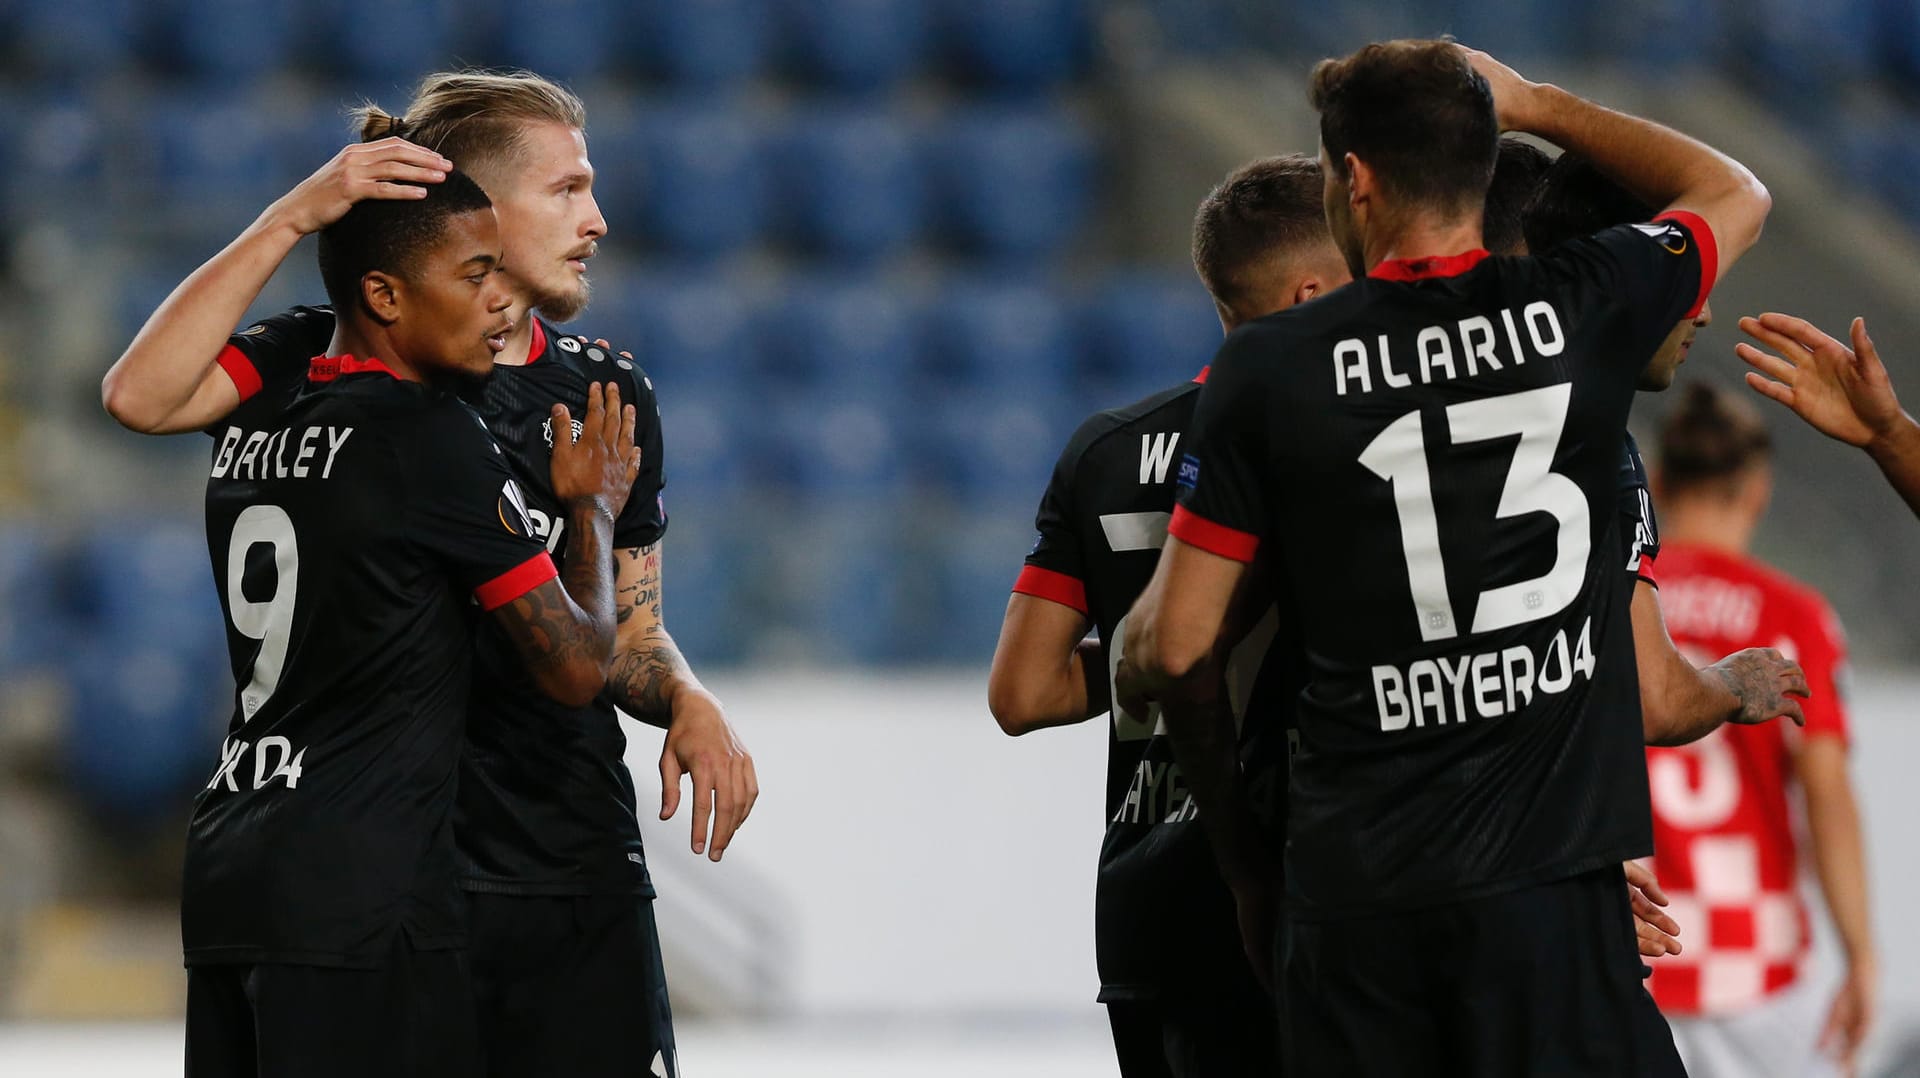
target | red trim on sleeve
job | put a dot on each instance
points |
(246, 377)
(1645, 569)
(516, 582)
(1417, 269)
(1709, 252)
(1055, 587)
(1197, 531)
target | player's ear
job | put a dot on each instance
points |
(380, 292)
(1309, 287)
(1360, 180)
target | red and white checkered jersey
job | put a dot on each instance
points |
(1723, 832)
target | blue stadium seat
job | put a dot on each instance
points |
(147, 582)
(1797, 54)
(860, 46)
(223, 42)
(998, 336)
(1016, 46)
(567, 39)
(975, 570)
(59, 156)
(144, 727)
(1519, 31)
(1658, 35)
(209, 156)
(706, 45)
(852, 185)
(990, 449)
(74, 41)
(706, 441)
(35, 629)
(1013, 184)
(841, 583)
(1144, 332)
(383, 44)
(856, 337)
(825, 445)
(692, 333)
(704, 185)
(703, 578)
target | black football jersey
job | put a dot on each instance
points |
(1164, 919)
(1639, 527)
(546, 801)
(353, 527)
(1431, 456)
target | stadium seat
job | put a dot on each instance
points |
(997, 336)
(1013, 185)
(209, 156)
(73, 42)
(857, 337)
(144, 727)
(1144, 332)
(703, 193)
(840, 580)
(1797, 54)
(691, 333)
(825, 445)
(148, 582)
(705, 433)
(59, 157)
(711, 44)
(703, 579)
(992, 449)
(1520, 31)
(851, 185)
(975, 573)
(571, 40)
(222, 42)
(858, 46)
(1628, 30)
(35, 629)
(383, 45)
(1016, 46)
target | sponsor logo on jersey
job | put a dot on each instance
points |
(1189, 472)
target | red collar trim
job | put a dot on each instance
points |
(327, 368)
(1419, 269)
(1201, 378)
(536, 347)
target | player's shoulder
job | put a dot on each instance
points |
(303, 321)
(613, 361)
(1633, 467)
(1166, 409)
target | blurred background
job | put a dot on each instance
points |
(879, 256)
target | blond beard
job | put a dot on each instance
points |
(564, 307)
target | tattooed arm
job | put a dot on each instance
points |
(1680, 703)
(651, 681)
(565, 630)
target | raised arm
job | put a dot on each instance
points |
(651, 681)
(1682, 703)
(1844, 393)
(564, 629)
(168, 380)
(1657, 164)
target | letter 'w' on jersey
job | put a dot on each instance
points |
(1156, 456)
(1399, 456)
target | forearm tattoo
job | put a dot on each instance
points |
(560, 627)
(645, 674)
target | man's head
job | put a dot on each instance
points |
(1407, 134)
(419, 274)
(524, 139)
(1576, 200)
(1517, 173)
(1260, 240)
(1714, 449)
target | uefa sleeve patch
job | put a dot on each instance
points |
(1671, 237)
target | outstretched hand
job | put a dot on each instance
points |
(1841, 392)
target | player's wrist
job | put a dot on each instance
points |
(591, 509)
(1541, 108)
(1899, 440)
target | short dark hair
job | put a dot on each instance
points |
(1417, 113)
(1710, 436)
(1574, 200)
(1517, 172)
(1263, 209)
(391, 235)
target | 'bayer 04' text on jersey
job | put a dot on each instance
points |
(1164, 920)
(352, 525)
(546, 800)
(1430, 457)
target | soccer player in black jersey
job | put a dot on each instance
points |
(353, 523)
(566, 955)
(1429, 459)
(1178, 988)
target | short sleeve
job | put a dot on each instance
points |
(1660, 272)
(1055, 570)
(274, 352)
(1821, 647)
(644, 520)
(1222, 501)
(468, 512)
(1639, 529)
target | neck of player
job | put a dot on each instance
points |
(1422, 237)
(370, 341)
(1719, 525)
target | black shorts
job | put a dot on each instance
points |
(1543, 980)
(1229, 1030)
(570, 985)
(411, 1018)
